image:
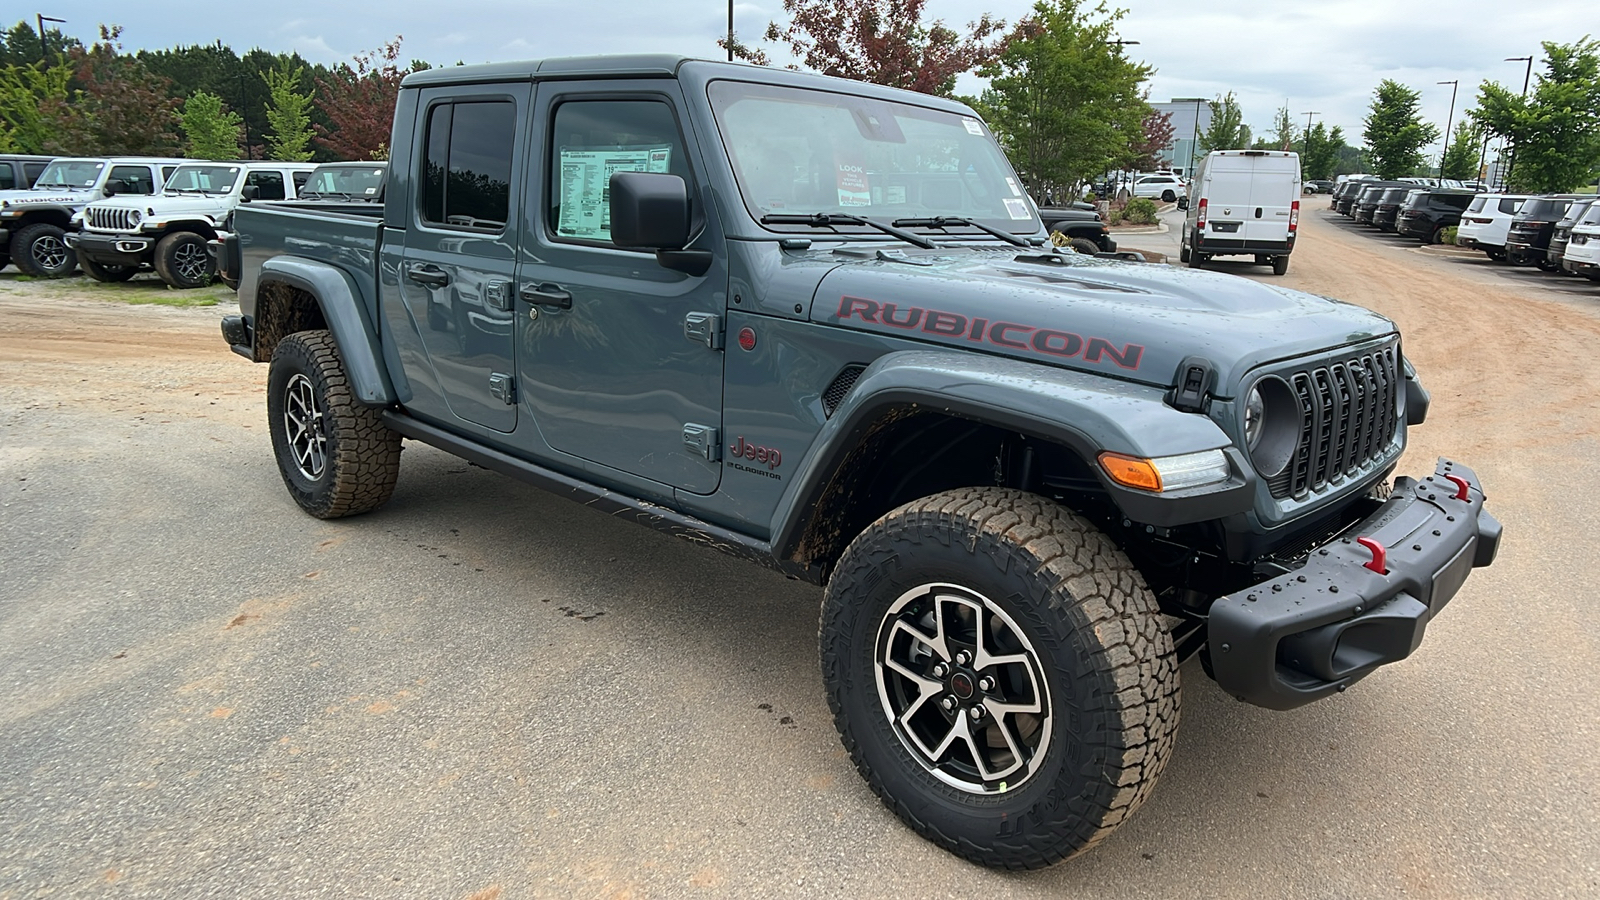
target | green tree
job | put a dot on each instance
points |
(1556, 130)
(31, 99)
(1320, 151)
(1395, 133)
(19, 45)
(1461, 157)
(288, 115)
(1227, 130)
(212, 131)
(1068, 105)
(1282, 137)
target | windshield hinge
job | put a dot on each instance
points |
(1192, 385)
(704, 328)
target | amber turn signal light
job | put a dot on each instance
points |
(1131, 471)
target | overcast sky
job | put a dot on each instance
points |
(1324, 56)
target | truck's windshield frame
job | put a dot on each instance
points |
(799, 152)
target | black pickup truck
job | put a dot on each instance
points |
(816, 324)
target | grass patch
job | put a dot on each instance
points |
(144, 290)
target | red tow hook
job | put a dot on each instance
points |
(1380, 556)
(1461, 483)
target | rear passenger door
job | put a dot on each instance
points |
(459, 260)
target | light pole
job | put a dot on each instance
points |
(1527, 75)
(44, 51)
(1449, 120)
(1306, 144)
(730, 30)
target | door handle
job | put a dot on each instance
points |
(547, 294)
(429, 274)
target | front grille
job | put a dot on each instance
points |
(1347, 416)
(113, 219)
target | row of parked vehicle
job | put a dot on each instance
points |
(1556, 232)
(113, 217)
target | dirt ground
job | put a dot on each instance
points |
(467, 694)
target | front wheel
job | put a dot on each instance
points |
(1085, 246)
(337, 458)
(183, 262)
(1000, 675)
(106, 273)
(42, 252)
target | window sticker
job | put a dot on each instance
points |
(1017, 208)
(973, 126)
(1015, 191)
(586, 186)
(855, 188)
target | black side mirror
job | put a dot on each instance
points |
(650, 211)
(249, 192)
(112, 189)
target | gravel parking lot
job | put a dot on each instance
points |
(481, 691)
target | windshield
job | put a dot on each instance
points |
(205, 179)
(349, 181)
(800, 152)
(71, 175)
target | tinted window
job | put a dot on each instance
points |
(1511, 204)
(8, 180)
(593, 139)
(133, 179)
(32, 171)
(269, 185)
(467, 171)
(1592, 217)
(1456, 201)
(300, 179)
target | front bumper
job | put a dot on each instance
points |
(112, 249)
(1340, 615)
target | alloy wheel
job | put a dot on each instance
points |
(302, 419)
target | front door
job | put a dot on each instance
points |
(460, 255)
(609, 369)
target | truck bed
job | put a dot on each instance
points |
(344, 235)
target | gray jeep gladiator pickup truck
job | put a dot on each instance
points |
(817, 324)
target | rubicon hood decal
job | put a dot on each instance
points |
(1013, 335)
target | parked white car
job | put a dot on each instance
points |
(1583, 247)
(1166, 188)
(1486, 222)
(169, 231)
(34, 221)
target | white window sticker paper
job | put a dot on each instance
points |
(1017, 208)
(586, 186)
(1012, 183)
(973, 126)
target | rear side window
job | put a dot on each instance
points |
(133, 179)
(1477, 204)
(593, 139)
(268, 185)
(1511, 205)
(466, 178)
(1458, 201)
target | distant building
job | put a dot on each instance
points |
(1190, 117)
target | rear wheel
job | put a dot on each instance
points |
(337, 458)
(1280, 265)
(105, 273)
(1438, 235)
(41, 251)
(1168, 196)
(1000, 675)
(1183, 253)
(1498, 254)
(1085, 246)
(182, 261)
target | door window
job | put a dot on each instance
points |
(466, 178)
(133, 179)
(594, 138)
(300, 179)
(269, 185)
(32, 171)
(8, 179)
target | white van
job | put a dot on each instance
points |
(1243, 203)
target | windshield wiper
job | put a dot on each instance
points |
(827, 220)
(947, 221)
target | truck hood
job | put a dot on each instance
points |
(46, 198)
(164, 206)
(1135, 321)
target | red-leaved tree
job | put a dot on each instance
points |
(358, 98)
(1156, 136)
(119, 109)
(881, 41)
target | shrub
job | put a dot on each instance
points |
(1141, 211)
(1450, 235)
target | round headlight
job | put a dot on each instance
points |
(135, 217)
(1255, 411)
(1271, 425)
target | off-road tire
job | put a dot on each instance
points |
(1280, 265)
(108, 274)
(1085, 246)
(178, 264)
(1095, 630)
(360, 455)
(42, 239)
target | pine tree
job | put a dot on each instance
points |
(212, 132)
(288, 115)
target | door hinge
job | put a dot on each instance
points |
(503, 387)
(704, 328)
(703, 440)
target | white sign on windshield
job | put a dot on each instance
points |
(586, 186)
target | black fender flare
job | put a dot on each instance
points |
(342, 308)
(1086, 412)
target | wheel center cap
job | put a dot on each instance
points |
(961, 685)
